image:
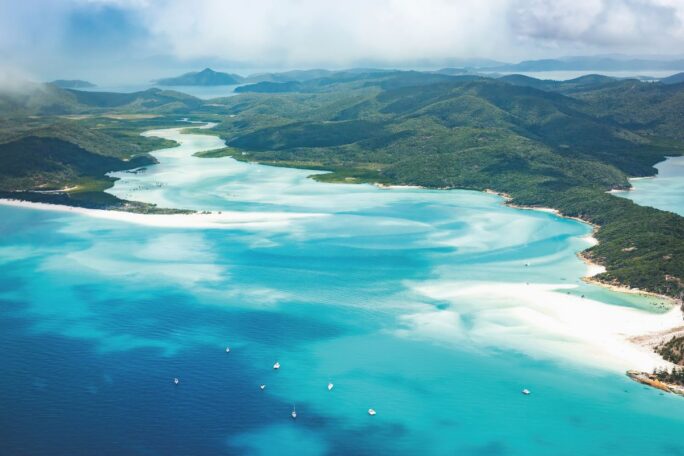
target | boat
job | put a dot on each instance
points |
(262, 387)
(227, 349)
(294, 413)
(276, 365)
(526, 392)
(176, 381)
(371, 412)
(330, 386)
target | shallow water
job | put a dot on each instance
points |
(664, 191)
(435, 308)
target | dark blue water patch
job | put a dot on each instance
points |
(64, 397)
(173, 317)
(61, 397)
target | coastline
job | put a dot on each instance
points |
(626, 346)
(595, 268)
(651, 380)
(648, 340)
(196, 220)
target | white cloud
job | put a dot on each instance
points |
(313, 31)
(307, 33)
(636, 25)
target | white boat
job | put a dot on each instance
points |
(371, 412)
(262, 387)
(294, 413)
(330, 386)
(526, 392)
(176, 381)
(276, 365)
(227, 349)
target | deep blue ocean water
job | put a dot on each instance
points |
(434, 308)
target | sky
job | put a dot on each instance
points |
(138, 39)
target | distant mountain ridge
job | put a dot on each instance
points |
(206, 77)
(72, 84)
(592, 64)
(48, 99)
(674, 79)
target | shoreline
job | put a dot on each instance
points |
(544, 322)
(593, 241)
(195, 220)
(637, 347)
(648, 340)
(651, 380)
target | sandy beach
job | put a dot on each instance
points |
(545, 322)
(211, 220)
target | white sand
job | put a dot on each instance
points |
(398, 187)
(594, 269)
(214, 220)
(542, 321)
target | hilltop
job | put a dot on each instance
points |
(206, 77)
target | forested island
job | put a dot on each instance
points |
(562, 145)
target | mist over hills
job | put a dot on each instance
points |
(72, 84)
(592, 64)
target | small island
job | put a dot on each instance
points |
(206, 77)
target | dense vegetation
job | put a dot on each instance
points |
(673, 350)
(674, 376)
(65, 160)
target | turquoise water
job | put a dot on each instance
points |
(665, 191)
(435, 308)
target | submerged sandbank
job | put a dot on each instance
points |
(544, 321)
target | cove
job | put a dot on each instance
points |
(664, 191)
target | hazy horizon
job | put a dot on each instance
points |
(139, 40)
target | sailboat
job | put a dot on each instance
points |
(371, 412)
(176, 381)
(526, 392)
(276, 365)
(330, 386)
(262, 387)
(227, 349)
(294, 412)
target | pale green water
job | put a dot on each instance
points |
(665, 191)
(416, 303)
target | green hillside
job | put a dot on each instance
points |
(206, 77)
(544, 143)
(50, 100)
